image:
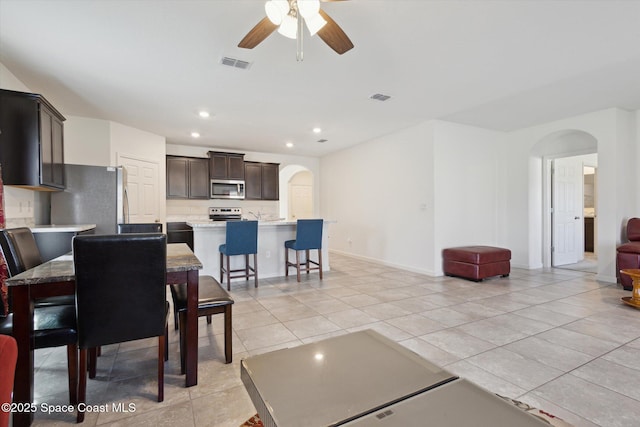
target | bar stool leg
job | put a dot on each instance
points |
(221, 268)
(286, 262)
(306, 253)
(320, 262)
(255, 269)
(246, 267)
(298, 264)
(228, 273)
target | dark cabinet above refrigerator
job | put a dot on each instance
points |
(31, 142)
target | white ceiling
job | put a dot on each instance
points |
(152, 64)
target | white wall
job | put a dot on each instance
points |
(617, 149)
(381, 194)
(469, 188)
(402, 198)
(87, 141)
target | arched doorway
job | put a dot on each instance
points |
(563, 156)
(296, 192)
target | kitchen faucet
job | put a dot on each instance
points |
(257, 216)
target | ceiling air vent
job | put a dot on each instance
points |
(236, 63)
(379, 97)
(322, 140)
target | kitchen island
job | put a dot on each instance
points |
(209, 235)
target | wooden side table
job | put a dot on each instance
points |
(634, 299)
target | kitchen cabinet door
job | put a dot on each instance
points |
(51, 148)
(270, 181)
(226, 165)
(252, 180)
(177, 178)
(199, 179)
(261, 181)
(31, 141)
(187, 178)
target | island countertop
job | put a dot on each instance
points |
(216, 224)
(54, 228)
(209, 235)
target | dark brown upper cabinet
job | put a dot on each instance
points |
(187, 177)
(261, 181)
(31, 141)
(226, 165)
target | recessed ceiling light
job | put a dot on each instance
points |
(317, 130)
(204, 114)
(195, 135)
(289, 144)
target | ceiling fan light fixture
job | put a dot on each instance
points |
(289, 27)
(308, 8)
(274, 12)
(315, 23)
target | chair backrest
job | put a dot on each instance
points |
(633, 229)
(242, 237)
(8, 357)
(151, 227)
(19, 249)
(120, 287)
(309, 234)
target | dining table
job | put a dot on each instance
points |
(57, 277)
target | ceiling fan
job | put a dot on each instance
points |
(289, 17)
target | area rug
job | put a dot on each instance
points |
(253, 422)
(539, 413)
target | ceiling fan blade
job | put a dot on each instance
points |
(333, 35)
(257, 34)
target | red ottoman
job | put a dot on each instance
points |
(476, 262)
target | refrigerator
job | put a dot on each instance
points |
(93, 195)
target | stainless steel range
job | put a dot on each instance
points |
(225, 214)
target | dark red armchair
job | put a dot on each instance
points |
(628, 254)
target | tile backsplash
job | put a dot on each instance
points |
(19, 207)
(198, 210)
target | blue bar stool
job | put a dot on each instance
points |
(308, 236)
(242, 239)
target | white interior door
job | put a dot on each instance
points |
(141, 180)
(567, 211)
(301, 201)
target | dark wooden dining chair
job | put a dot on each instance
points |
(53, 326)
(146, 227)
(8, 358)
(21, 253)
(121, 296)
(212, 299)
(54, 318)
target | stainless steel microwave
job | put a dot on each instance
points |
(227, 189)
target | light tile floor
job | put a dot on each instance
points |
(556, 339)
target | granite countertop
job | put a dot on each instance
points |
(53, 228)
(179, 258)
(222, 224)
(216, 224)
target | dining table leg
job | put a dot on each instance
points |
(22, 332)
(191, 353)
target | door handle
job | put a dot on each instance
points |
(576, 217)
